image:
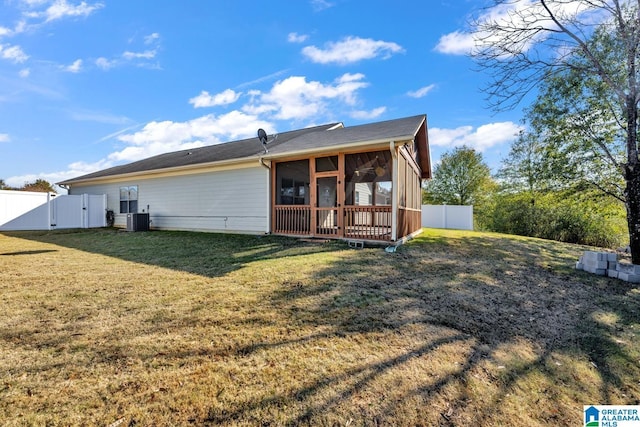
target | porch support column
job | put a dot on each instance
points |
(313, 197)
(394, 191)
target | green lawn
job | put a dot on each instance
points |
(104, 327)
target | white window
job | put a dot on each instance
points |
(129, 199)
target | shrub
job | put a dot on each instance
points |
(579, 218)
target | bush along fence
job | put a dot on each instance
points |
(607, 264)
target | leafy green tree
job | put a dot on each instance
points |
(579, 134)
(591, 93)
(459, 178)
(39, 185)
(525, 169)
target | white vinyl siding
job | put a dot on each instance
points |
(226, 201)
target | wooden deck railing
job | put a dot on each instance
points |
(367, 222)
(291, 219)
(360, 222)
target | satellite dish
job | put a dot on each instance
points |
(262, 136)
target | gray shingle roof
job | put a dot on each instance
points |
(244, 148)
(319, 137)
(390, 130)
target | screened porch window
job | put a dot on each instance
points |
(368, 179)
(129, 199)
(292, 183)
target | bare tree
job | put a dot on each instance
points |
(523, 42)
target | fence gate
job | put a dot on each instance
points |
(21, 210)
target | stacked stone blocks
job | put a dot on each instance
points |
(606, 264)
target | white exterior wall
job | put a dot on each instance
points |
(234, 200)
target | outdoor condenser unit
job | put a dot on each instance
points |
(138, 222)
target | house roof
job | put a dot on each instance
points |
(317, 138)
(390, 130)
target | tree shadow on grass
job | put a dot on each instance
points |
(206, 254)
(446, 331)
(518, 309)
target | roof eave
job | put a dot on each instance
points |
(339, 147)
(196, 166)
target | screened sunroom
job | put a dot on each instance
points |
(366, 195)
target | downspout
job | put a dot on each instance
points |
(268, 167)
(394, 191)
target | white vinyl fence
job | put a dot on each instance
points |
(447, 216)
(25, 210)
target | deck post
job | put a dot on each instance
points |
(394, 191)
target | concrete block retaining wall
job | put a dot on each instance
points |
(606, 264)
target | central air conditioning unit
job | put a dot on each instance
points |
(138, 222)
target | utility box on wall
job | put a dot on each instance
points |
(138, 222)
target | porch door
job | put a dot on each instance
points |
(328, 217)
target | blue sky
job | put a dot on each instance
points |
(86, 85)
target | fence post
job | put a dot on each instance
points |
(106, 208)
(84, 215)
(50, 208)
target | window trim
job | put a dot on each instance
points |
(130, 205)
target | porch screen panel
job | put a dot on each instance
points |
(368, 179)
(292, 183)
(368, 195)
(292, 210)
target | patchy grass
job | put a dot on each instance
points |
(167, 328)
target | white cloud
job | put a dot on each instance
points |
(24, 73)
(14, 53)
(161, 137)
(147, 54)
(4, 31)
(225, 97)
(456, 43)
(151, 38)
(368, 115)
(319, 5)
(140, 58)
(296, 98)
(61, 9)
(73, 170)
(350, 50)
(33, 3)
(297, 38)
(422, 92)
(21, 27)
(480, 138)
(105, 63)
(75, 67)
(4, 137)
